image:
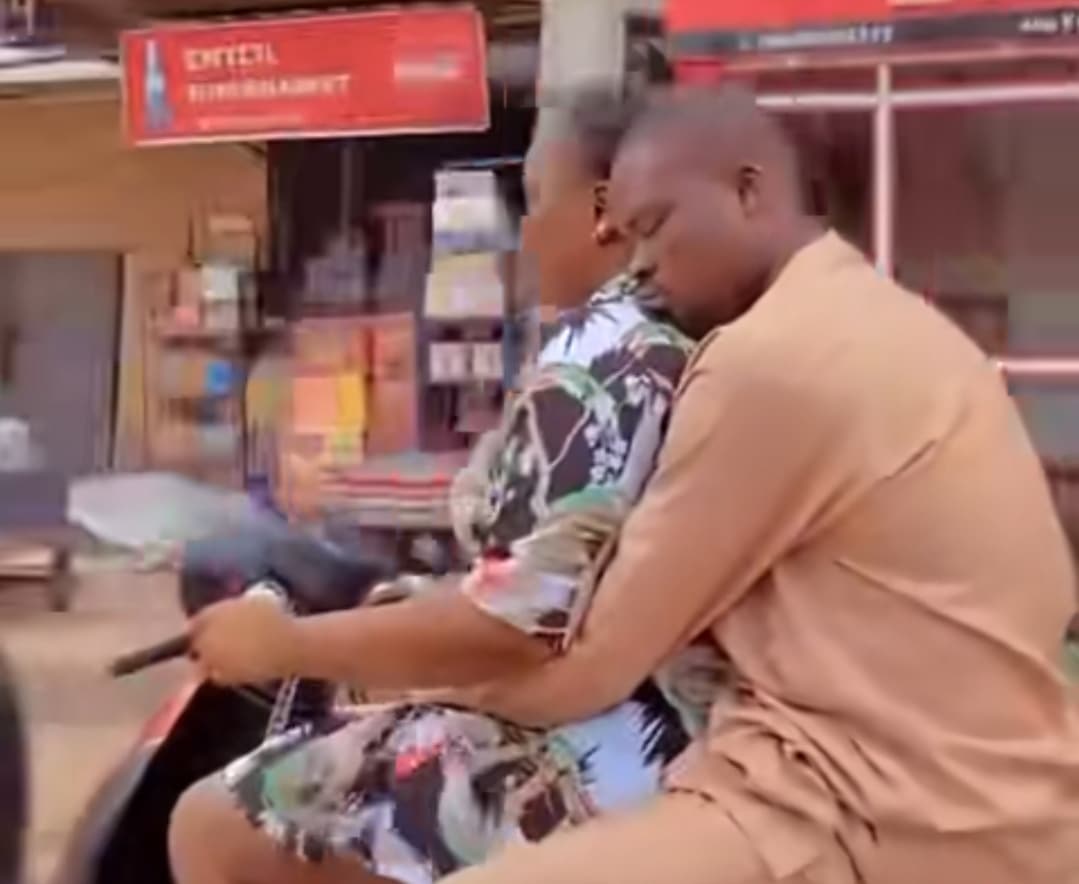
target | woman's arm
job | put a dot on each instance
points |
(575, 450)
(430, 641)
(438, 639)
(511, 612)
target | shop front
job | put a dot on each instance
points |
(380, 324)
(940, 137)
(88, 229)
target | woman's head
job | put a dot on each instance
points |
(565, 232)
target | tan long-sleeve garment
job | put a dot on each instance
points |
(849, 503)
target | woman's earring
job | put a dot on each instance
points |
(603, 234)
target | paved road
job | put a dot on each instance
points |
(80, 721)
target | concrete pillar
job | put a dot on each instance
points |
(583, 42)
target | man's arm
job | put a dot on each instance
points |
(752, 459)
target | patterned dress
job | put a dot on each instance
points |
(417, 790)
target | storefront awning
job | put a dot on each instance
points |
(504, 18)
(701, 29)
(83, 35)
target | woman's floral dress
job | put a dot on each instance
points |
(418, 791)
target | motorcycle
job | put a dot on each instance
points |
(122, 835)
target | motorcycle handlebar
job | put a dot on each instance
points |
(136, 661)
(307, 575)
(180, 645)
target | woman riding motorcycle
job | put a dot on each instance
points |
(413, 791)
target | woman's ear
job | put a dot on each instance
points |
(599, 199)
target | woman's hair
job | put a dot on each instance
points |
(596, 119)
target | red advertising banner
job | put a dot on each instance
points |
(372, 73)
(702, 29)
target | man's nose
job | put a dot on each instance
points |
(642, 265)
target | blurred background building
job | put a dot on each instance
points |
(267, 300)
(939, 136)
(276, 248)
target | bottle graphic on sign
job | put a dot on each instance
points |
(156, 89)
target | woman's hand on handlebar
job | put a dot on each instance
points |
(248, 640)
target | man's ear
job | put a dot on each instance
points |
(748, 185)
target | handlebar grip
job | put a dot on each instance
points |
(136, 661)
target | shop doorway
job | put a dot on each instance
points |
(954, 171)
(59, 321)
(836, 159)
(829, 115)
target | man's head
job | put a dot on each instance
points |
(707, 184)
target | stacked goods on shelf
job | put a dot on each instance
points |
(447, 362)
(197, 408)
(394, 384)
(222, 300)
(354, 386)
(466, 286)
(327, 407)
(393, 340)
(338, 278)
(464, 362)
(228, 239)
(353, 395)
(405, 232)
(469, 297)
(353, 403)
(469, 214)
(471, 234)
(486, 363)
(268, 385)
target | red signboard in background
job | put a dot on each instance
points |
(705, 29)
(693, 14)
(371, 73)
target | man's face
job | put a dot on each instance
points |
(692, 230)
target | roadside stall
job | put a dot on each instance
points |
(940, 137)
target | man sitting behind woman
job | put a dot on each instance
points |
(412, 792)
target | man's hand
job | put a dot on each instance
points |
(245, 641)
